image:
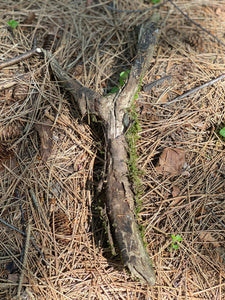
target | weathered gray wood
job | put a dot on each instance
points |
(112, 109)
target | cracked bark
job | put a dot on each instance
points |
(112, 109)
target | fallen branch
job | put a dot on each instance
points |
(20, 58)
(148, 87)
(195, 89)
(112, 110)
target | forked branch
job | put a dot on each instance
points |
(112, 110)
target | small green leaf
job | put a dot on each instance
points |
(175, 246)
(13, 23)
(114, 90)
(173, 237)
(155, 1)
(124, 74)
(123, 77)
(122, 82)
(176, 238)
(222, 132)
(179, 238)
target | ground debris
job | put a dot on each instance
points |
(96, 45)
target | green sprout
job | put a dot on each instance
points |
(155, 1)
(123, 77)
(13, 24)
(122, 80)
(222, 132)
(176, 238)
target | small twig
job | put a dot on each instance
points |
(148, 87)
(24, 234)
(195, 90)
(196, 24)
(28, 237)
(7, 84)
(34, 198)
(12, 227)
(135, 11)
(20, 58)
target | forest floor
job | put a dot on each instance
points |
(52, 227)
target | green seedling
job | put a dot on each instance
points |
(175, 238)
(132, 136)
(123, 77)
(155, 1)
(13, 24)
(122, 80)
(208, 156)
(114, 90)
(222, 132)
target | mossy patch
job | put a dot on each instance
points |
(132, 137)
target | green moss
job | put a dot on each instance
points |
(135, 173)
(142, 232)
(132, 137)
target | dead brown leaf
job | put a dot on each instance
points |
(29, 18)
(171, 161)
